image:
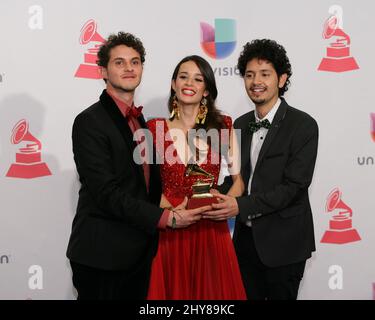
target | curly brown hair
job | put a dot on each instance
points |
(114, 40)
(270, 51)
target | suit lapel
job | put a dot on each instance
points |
(142, 121)
(115, 114)
(122, 125)
(275, 126)
(246, 137)
(154, 168)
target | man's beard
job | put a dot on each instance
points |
(258, 102)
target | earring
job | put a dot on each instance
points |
(175, 112)
(202, 112)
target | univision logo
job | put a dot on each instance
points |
(365, 160)
(218, 42)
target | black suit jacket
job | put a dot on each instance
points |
(115, 226)
(279, 207)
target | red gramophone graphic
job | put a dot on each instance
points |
(28, 160)
(372, 115)
(338, 57)
(89, 69)
(340, 226)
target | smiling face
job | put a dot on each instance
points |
(262, 82)
(124, 70)
(189, 84)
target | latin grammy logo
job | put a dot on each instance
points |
(28, 160)
(338, 57)
(372, 115)
(89, 69)
(340, 226)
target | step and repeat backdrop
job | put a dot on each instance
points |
(48, 75)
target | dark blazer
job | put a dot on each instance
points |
(115, 226)
(279, 207)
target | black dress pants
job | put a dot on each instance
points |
(97, 284)
(262, 282)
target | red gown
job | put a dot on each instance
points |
(198, 262)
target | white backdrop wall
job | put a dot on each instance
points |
(40, 53)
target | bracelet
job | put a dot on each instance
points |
(174, 222)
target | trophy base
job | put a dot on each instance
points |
(88, 71)
(338, 65)
(200, 202)
(24, 171)
(340, 237)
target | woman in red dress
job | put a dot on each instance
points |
(197, 262)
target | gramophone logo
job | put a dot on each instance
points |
(28, 163)
(340, 225)
(218, 42)
(89, 69)
(338, 57)
(372, 116)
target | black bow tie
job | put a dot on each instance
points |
(255, 126)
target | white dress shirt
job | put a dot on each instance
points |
(257, 142)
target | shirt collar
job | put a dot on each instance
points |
(271, 114)
(120, 104)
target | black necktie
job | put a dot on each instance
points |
(255, 126)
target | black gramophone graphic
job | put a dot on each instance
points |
(201, 188)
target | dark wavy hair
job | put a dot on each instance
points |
(214, 118)
(114, 40)
(270, 51)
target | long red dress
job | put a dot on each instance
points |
(197, 262)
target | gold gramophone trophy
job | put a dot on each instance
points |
(201, 188)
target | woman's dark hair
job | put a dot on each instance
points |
(214, 119)
(114, 40)
(270, 51)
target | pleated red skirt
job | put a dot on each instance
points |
(196, 263)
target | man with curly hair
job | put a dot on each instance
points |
(274, 232)
(115, 229)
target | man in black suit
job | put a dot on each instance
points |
(274, 232)
(115, 229)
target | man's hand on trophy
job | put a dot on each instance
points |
(182, 205)
(180, 217)
(214, 191)
(225, 209)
